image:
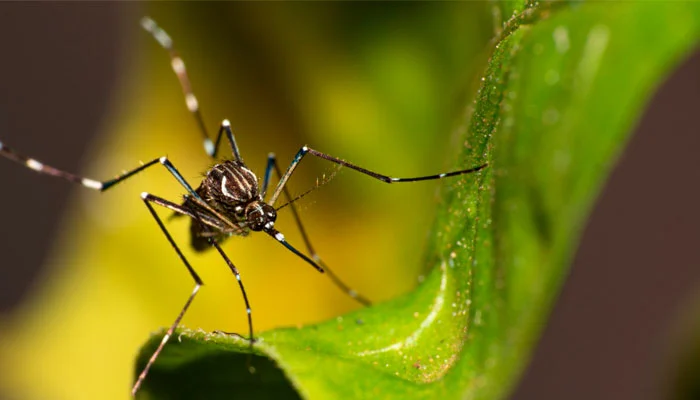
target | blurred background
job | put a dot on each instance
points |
(86, 277)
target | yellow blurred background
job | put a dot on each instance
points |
(378, 84)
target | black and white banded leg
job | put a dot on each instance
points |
(198, 283)
(226, 128)
(178, 66)
(273, 165)
(148, 199)
(89, 183)
(384, 178)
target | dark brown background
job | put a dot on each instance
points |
(636, 268)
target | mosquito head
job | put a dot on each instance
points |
(260, 216)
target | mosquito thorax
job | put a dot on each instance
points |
(231, 182)
(260, 215)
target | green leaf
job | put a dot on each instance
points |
(562, 89)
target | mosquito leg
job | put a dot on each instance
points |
(148, 199)
(89, 183)
(104, 185)
(164, 162)
(233, 268)
(178, 67)
(226, 127)
(198, 283)
(41, 168)
(272, 165)
(384, 178)
(183, 210)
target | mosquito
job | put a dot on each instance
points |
(230, 201)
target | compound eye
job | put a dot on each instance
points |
(270, 212)
(255, 219)
(255, 225)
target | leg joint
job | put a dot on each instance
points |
(300, 154)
